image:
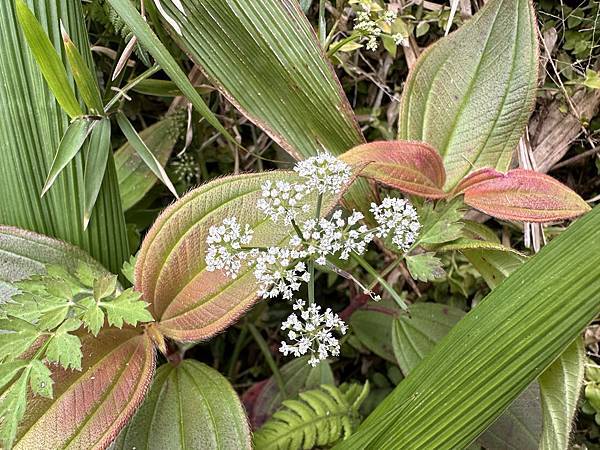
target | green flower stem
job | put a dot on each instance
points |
(384, 284)
(121, 93)
(239, 344)
(333, 50)
(264, 348)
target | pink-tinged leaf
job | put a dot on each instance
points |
(411, 167)
(476, 177)
(525, 195)
(189, 302)
(90, 407)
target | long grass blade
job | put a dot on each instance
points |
(99, 149)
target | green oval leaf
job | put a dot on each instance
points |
(414, 336)
(90, 407)
(189, 406)
(135, 177)
(373, 326)
(188, 302)
(471, 93)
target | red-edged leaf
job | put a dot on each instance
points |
(525, 195)
(411, 167)
(188, 302)
(477, 177)
(90, 407)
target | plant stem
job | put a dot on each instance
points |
(264, 348)
(384, 284)
(311, 262)
(332, 51)
(121, 92)
(236, 351)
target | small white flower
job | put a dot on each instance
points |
(279, 273)
(397, 217)
(324, 173)
(282, 200)
(389, 17)
(225, 250)
(400, 40)
(311, 332)
(372, 44)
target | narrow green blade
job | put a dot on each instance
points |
(85, 80)
(148, 39)
(49, 62)
(69, 146)
(32, 124)
(99, 149)
(495, 351)
(142, 149)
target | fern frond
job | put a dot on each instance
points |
(320, 417)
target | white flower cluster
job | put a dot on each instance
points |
(280, 271)
(370, 23)
(311, 332)
(399, 218)
(225, 243)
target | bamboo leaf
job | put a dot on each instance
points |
(471, 93)
(561, 386)
(265, 58)
(189, 406)
(189, 302)
(85, 80)
(99, 149)
(48, 60)
(69, 146)
(135, 177)
(495, 351)
(152, 44)
(144, 152)
(90, 407)
(30, 136)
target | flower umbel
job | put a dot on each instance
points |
(324, 173)
(398, 217)
(278, 273)
(225, 246)
(311, 332)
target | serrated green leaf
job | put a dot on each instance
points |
(9, 370)
(48, 60)
(127, 308)
(144, 152)
(12, 409)
(16, 336)
(98, 152)
(128, 270)
(476, 120)
(69, 146)
(425, 267)
(104, 286)
(40, 379)
(93, 316)
(86, 274)
(84, 79)
(441, 223)
(65, 348)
